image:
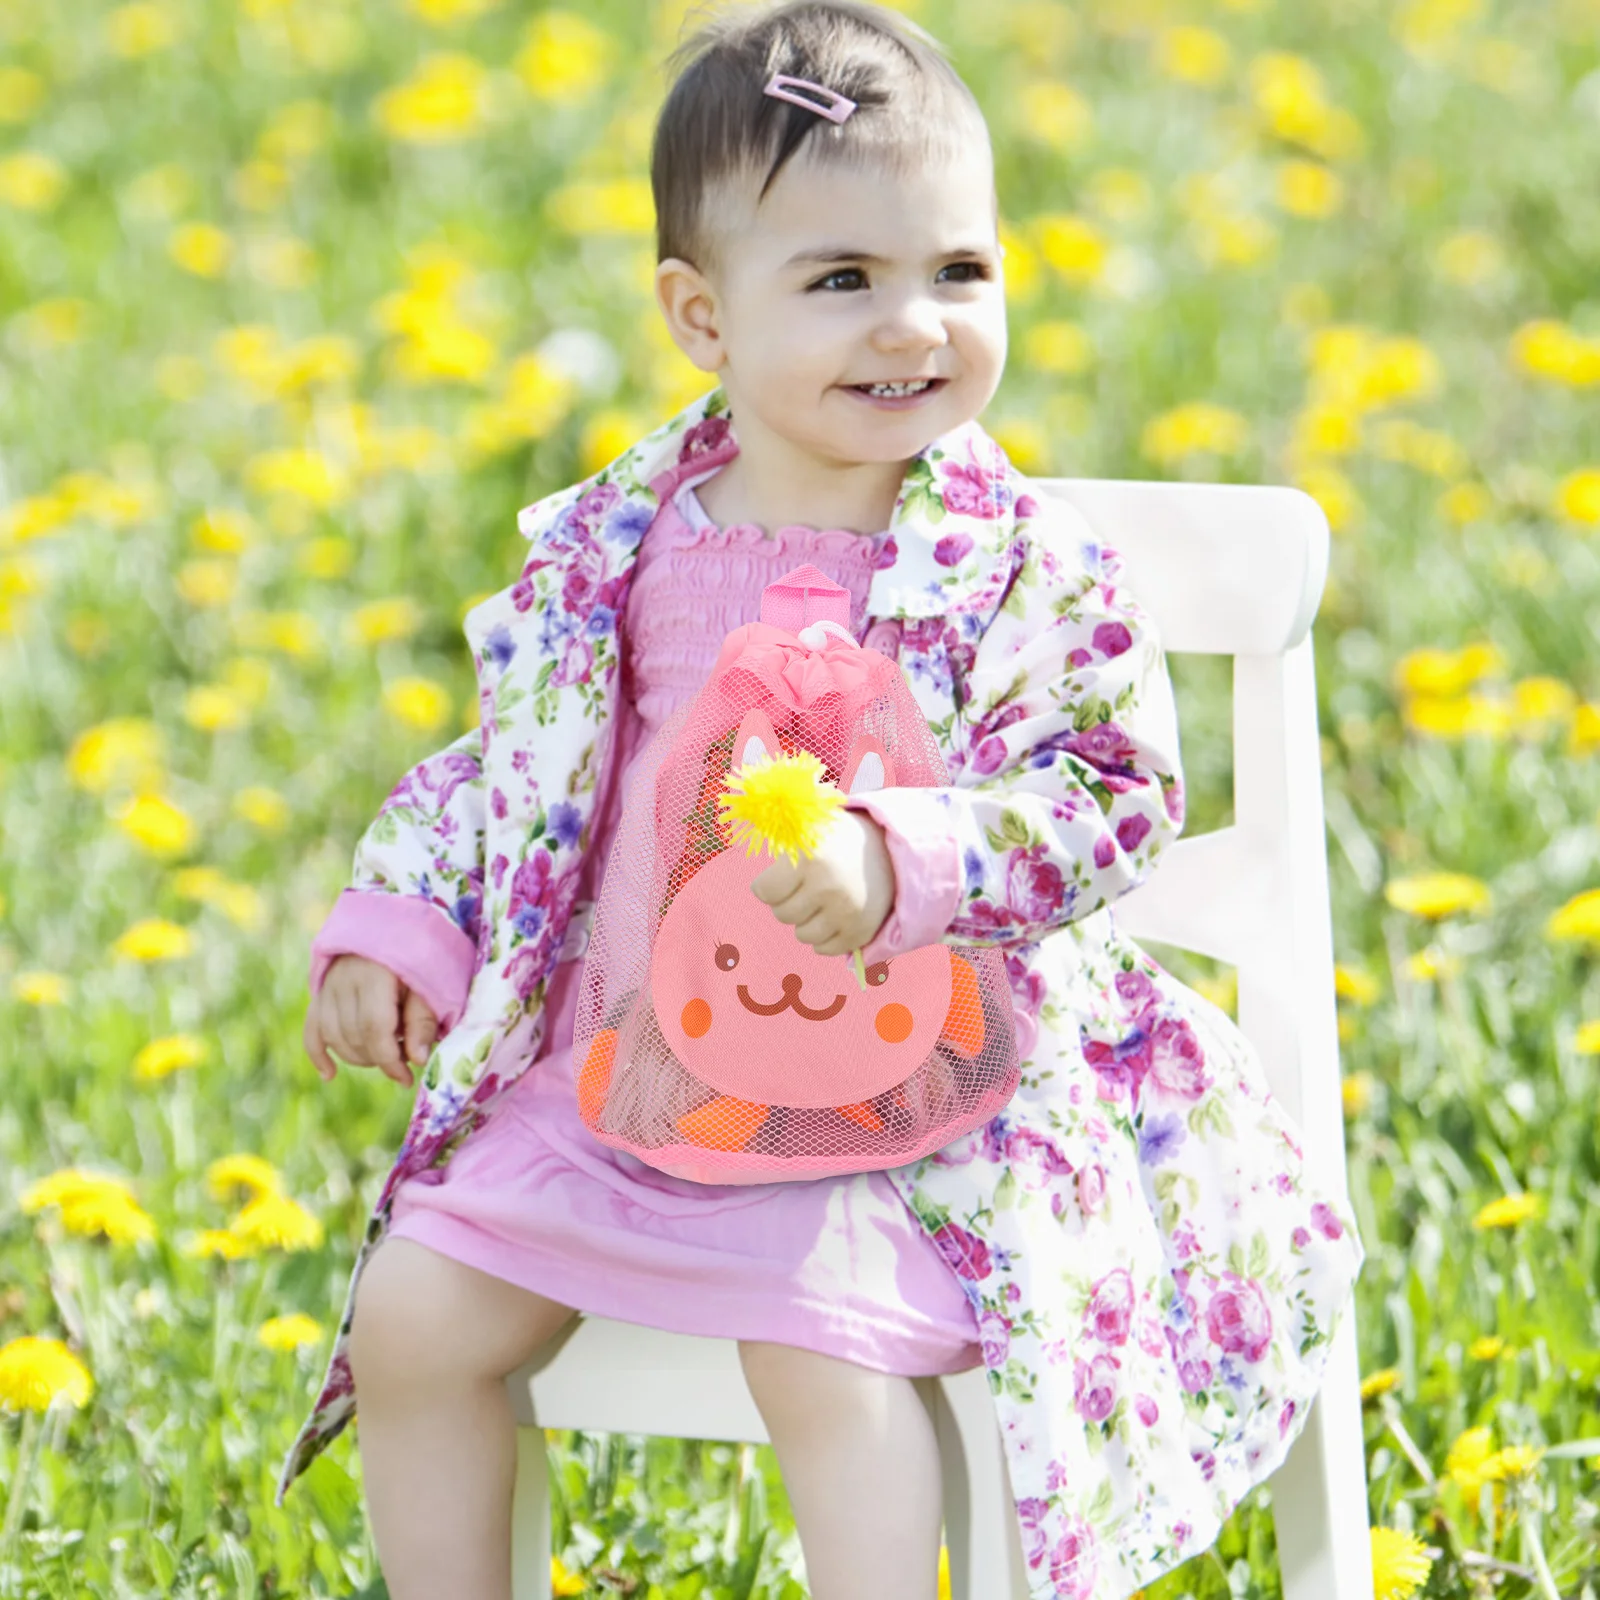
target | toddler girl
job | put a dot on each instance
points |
(1130, 1248)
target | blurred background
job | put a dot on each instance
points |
(301, 300)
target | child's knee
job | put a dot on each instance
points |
(792, 1383)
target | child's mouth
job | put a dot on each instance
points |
(897, 396)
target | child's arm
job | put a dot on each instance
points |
(417, 883)
(1067, 778)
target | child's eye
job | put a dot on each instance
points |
(978, 271)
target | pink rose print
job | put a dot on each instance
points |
(1176, 1059)
(1110, 1309)
(1035, 888)
(995, 1333)
(970, 491)
(1285, 1417)
(952, 549)
(1188, 1356)
(1239, 1319)
(1091, 1189)
(1324, 1220)
(967, 1254)
(703, 439)
(1035, 1160)
(1069, 1544)
(1146, 1409)
(577, 663)
(1095, 1387)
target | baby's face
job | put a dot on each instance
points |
(843, 278)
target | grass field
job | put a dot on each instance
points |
(301, 300)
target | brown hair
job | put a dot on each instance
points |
(717, 127)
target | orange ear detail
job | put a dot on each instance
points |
(595, 1078)
(723, 1124)
(963, 1023)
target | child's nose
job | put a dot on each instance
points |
(914, 322)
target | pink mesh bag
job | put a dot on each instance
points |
(709, 1040)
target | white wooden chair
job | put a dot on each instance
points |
(1224, 570)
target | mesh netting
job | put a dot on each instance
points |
(709, 1040)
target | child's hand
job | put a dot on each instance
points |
(362, 1011)
(837, 898)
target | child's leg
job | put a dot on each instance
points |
(860, 1462)
(431, 1344)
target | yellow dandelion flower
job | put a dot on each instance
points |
(1355, 984)
(1552, 350)
(34, 1371)
(1019, 264)
(218, 1242)
(21, 94)
(1470, 258)
(1053, 114)
(207, 583)
(1326, 430)
(417, 702)
(1072, 246)
(327, 558)
(156, 824)
(1486, 1348)
(70, 1183)
(140, 29)
(275, 1222)
(1514, 1461)
(201, 248)
(1578, 498)
(381, 621)
(442, 101)
(443, 13)
(223, 529)
(1356, 1092)
(31, 182)
(1400, 1564)
(1025, 442)
(1308, 189)
(290, 633)
(51, 324)
(109, 1214)
(290, 1332)
(1449, 672)
(1333, 492)
(1432, 963)
(1466, 1458)
(1437, 894)
(161, 1057)
(564, 57)
(262, 808)
(1587, 1039)
(305, 475)
(1426, 449)
(1193, 55)
(1464, 503)
(606, 435)
(780, 803)
(1380, 1383)
(1579, 918)
(1120, 193)
(242, 1171)
(1058, 347)
(37, 988)
(564, 1582)
(1508, 1211)
(1540, 700)
(609, 206)
(214, 709)
(154, 939)
(298, 130)
(1196, 429)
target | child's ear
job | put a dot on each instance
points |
(688, 302)
(868, 768)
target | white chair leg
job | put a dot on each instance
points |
(530, 1519)
(1319, 1494)
(980, 1517)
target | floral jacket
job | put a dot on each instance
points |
(1155, 1280)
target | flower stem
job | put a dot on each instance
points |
(27, 1455)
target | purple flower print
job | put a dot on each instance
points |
(952, 549)
(530, 884)
(497, 803)
(524, 970)
(1119, 1066)
(1326, 1222)
(1131, 832)
(1027, 506)
(1176, 1059)
(1110, 1309)
(1188, 1356)
(995, 1333)
(577, 662)
(1094, 1387)
(1035, 889)
(565, 822)
(1239, 1318)
(1161, 1137)
(967, 1255)
(499, 647)
(969, 490)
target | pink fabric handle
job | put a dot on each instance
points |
(804, 595)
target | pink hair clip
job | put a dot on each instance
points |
(836, 109)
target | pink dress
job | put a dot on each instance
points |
(838, 1265)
